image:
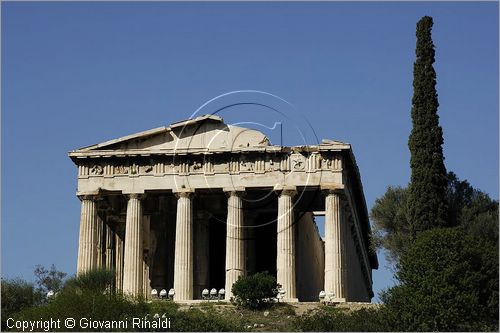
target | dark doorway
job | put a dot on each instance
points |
(217, 248)
(265, 243)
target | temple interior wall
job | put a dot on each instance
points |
(356, 291)
(310, 259)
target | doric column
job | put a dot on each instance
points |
(183, 260)
(110, 235)
(146, 288)
(285, 261)
(235, 244)
(335, 255)
(133, 256)
(119, 260)
(87, 245)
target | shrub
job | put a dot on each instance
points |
(163, 308)
(255, 291)
(448, 282)
(96, 281)
(78, 305)
(87, 296)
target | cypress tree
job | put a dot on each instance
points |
(427, 206)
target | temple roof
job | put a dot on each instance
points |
(204, 134)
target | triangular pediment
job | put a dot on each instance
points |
(205, 133)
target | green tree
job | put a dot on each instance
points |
(459, 194)
(391, 229)
(469, 208)
(427, 207)
(480, 218)
(17, 294)
(49, 279)
(448, 281)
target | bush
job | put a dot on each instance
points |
(90, 295)
(448, 282)
(78, 305)
(330, 319)
(96, 281)
(163, 308)
(255, 291)
(87, 296)
(18, 294)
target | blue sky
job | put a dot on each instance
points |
(74, 74)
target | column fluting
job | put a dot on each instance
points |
(183, 258)
(334, 246)
(87, 245)
(285, 261)
(235, 244)
(133, 256)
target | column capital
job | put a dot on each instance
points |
(184, 193)
(286, 190)
(138, 196)
(82, 197)
(332, 189)
(234, 191)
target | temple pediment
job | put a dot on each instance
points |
(205, 133)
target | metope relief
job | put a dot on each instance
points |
(196, 166)
(145, 169)
(96, 170)
(220, 166)
(246, 164)
(121, 169)
(298, 162)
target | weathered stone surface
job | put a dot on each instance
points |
(183, 266)
(87, 246)
(235, 246)
(133, 256)
(335, 255)
(285, 259)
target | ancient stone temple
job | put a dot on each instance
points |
(200, 203)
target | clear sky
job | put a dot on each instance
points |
(75, 74)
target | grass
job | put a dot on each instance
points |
(276, 318)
